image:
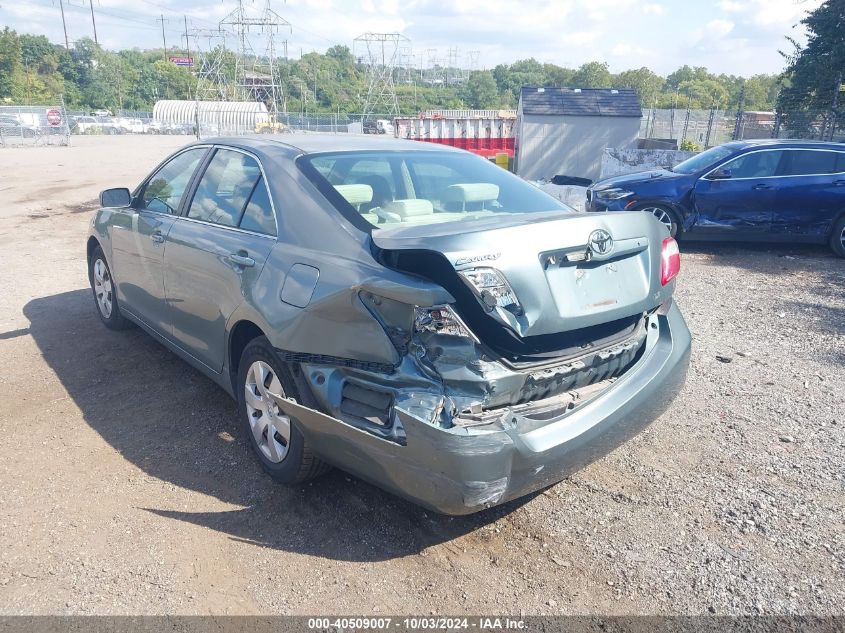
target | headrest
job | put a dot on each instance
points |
(355, 195)
(471, 192)
(409, 208)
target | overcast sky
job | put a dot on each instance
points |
(731, 36)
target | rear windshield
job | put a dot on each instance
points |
(389, 189)
(702, 161)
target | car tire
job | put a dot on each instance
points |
(278, 443)
(666, 216)
(103, 288)
(837, 238)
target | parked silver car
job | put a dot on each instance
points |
(410, 313)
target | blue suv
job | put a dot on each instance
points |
(778, 191)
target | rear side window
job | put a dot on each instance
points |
(225, 188)
(755, 165)
(163, 192)
(258, 215)
(808, 162)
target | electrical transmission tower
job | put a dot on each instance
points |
(256, 72)
(433, 74)
(453, 73)
(472, 61)
(380, 52)
(212, 82)
(406, 64)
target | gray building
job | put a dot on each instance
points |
(563, 131)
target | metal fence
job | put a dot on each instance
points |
(22, 126)
(706, 128)
(286, 123)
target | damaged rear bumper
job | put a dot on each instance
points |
(463, 469)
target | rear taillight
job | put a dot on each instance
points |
(670, 260)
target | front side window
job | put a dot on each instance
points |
(390, 189)
(808, 162)
(225, 188)
(755, 165)
(163, 192)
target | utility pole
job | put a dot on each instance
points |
(64, 24)
(187, 42)
(686, 120)
(26, 61)
(834, 106)
(93, 21)
(162, 19)
(740, 106)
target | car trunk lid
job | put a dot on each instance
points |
(569, 271)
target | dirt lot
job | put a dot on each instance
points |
(127, 487)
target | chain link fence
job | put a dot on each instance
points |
(680, 129)
(26, 126)
(222, 123)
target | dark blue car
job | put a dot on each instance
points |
(765, 190)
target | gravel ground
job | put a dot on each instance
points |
(127, 487)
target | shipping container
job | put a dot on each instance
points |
(482, 132)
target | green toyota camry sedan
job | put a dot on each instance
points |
(407, 312)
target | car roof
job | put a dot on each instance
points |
(316, 143)
(776, 143)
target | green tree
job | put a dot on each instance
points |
(557, 75)
(648, 84)
(592, 75)
(815, 71)
(686, 73)
(479, 91)
(10, 61)
(705, 93)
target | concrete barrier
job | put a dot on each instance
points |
(615, 162)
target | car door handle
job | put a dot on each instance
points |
(239, 259)
(157, 237)
(762, 186)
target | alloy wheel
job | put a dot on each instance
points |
(270, 427)
(103, 290)
(664, 217)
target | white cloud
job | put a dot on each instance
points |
(731, 6)
(579, 38)
(627, 50)
(719, 27)
(653, 9)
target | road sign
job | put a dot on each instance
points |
(182, 61)
(54, 117)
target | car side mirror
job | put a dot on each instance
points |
(720, 174)
(117, 197)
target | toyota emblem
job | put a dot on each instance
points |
(600, 242)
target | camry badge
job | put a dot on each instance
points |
(600, 242)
